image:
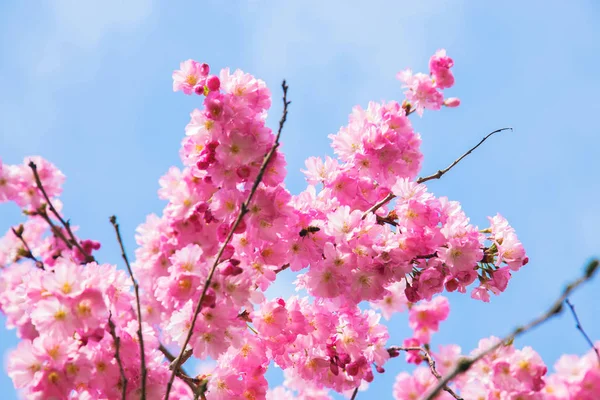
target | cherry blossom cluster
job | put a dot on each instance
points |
(364, 230)
(313, 342)
(507, 373)
(62, 316)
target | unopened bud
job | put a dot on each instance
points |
(213, 83)
(452, 102)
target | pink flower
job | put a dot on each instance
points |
(440, 65)
(54, 317)
(24, 367)
(191, 74)
(421, 91)
(271, 318)
(424, 318)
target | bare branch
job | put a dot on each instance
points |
(243, 210)
(117, 341)
(580, 328)
(73, 240)
(354, 394)
(166, 352)
(27, 253)
(136, 288)
(58, 233)
(186, 356)
(437, 175)
(282, 268)
(441, 172)
(380, 203)
(467, 362)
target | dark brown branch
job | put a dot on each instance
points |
(182, 374)
(117, 341)
(282, 268)
(58, 233)
(136, 288)
(186, 356)
(66, 224)
(437, 175)
(580, 329)
(243, 211)
(169, 356)
(354, 394)
(467, 362)
(441, 172)
(27, 253)
(427, 356)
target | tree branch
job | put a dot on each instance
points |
(117, 341)
(441, 172)
(27, 253)
(66, 224)
(354, 394)
(467, 362)
(580, 328)
(243, 210)
(136, 288)
(437, 175)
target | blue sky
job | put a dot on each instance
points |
(88, 86)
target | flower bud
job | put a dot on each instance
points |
(452, 102)
(213, 83)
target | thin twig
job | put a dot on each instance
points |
(354, 394)
(432, 367)
(117, 341)
(441, 172)
(243, 210)
(27, 253)
(580, 328)
(58, 233)
(136, 288)
(282, 268)
(467, 362)
(181, 373)
(166, 352)
(437, 175)
(66, 224)
(186, 356)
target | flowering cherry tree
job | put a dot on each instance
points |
(365, 230)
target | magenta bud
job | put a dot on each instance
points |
(243, 171)
(210, 299)
(352, 369)
(231, 270)
(412, 294)
(451, 285)
(334, 369)
(344, 358)
(228, 252)
(212, 146)
(213, 83)
(379, 369)
(241, 228)
(369, 376)
(393, 353)
(202, 164)
(204, 69)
